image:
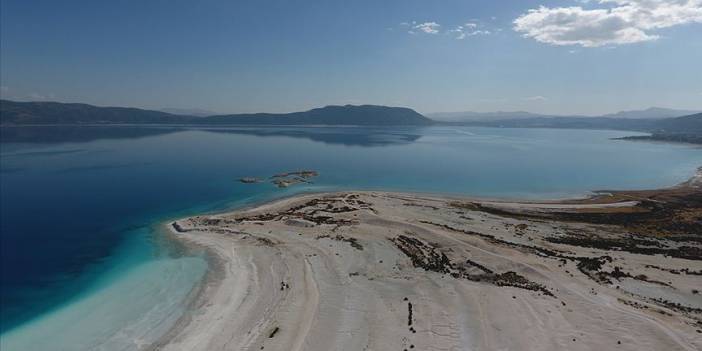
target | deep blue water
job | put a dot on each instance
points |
(77, 202)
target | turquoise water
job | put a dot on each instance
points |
(84, 265)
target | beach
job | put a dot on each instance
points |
(375, 270)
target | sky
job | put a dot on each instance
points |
(557, 57)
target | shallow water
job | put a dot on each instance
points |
(138, 298)
(83, 267)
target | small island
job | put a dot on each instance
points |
(284, 180)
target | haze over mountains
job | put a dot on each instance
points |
(196, 112)
(469, 116)
(663, 123)
(651, 113)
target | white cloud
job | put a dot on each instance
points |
(458, 32)
(614, 22)
(480, 32)
(428, 27)
(535, 98)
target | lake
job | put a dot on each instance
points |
(84, 265)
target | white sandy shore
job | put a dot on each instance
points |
(280, 281)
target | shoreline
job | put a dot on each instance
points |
(234, 228)
(197, 296)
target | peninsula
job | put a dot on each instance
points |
(389, 271)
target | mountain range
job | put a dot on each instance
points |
(47, 113)
(664, 124)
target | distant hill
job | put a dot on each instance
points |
(329, 115)
(686, 124)
(34, 113)
(687, 129)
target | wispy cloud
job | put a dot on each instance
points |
(468, 30)
(427, 27)
(535, 98)
(611, 22)
(41, 97)
(459, 32)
